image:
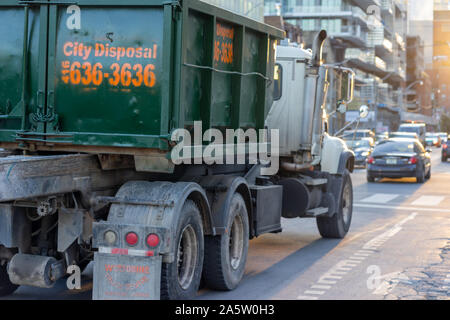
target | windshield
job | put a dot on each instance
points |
(410, 129)
(358, 144)
(404, 134)
(395, 147)
(358, 135)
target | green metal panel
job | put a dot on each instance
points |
(114, 85)
(227, 61)
(19, 73)
(133, 72)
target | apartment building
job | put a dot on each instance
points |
(367, 35)
(419, 83)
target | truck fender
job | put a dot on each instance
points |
(336, 157)
(220, 190)
(162, 203)
(346, 161)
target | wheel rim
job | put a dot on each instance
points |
(187, 256)
(236, 245)
(346, 203)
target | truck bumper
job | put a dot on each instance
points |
(124, 272)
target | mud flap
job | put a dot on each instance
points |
(125, 277)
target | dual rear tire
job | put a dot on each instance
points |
(220, 259)
(226, 255)
(180, 279)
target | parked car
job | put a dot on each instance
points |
(444, 136)
(399, 158)
(381, 136)
(419, 128)
(433, 139)
(359, 134)
(404, 135)
(362, 149)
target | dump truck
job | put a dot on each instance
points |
(98, 102)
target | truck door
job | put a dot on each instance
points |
(23, 61)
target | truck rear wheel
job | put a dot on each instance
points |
(6, 286)
(337, 226)
(180, 280)
(226, 255)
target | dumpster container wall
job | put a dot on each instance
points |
(126, 74)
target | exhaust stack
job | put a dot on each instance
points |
(317, 48)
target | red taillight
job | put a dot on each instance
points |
(444, 146)
(371, 160)
(153, 240)
(413, 160)
(132, 238)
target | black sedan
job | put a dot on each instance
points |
(399, 158)
(362, 150)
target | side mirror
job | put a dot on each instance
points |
(347, 85)
(364, 112)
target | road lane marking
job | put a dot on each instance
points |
(353, 261)
(380, 198)
(362, 254)
(369, 248)
(432, 201)
(315, 292)
(373, 206)
(317, 286)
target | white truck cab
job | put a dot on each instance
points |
(299, 110)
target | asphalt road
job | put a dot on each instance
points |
(398, 248)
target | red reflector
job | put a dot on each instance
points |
(150, 253)
(132, 239)
(119, 251)
(413, 160)
(153, 240)
(371, 160)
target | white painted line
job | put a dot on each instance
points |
(362, 254)
(432, 201)
(366, 251)
(326, 281)
(352, 260)
(358, 258)
(373, 206)
(380, 198)
(316, 286)
(314, 292)
(345, 269)
(333, 277)
(342, 273)
(306, 298)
